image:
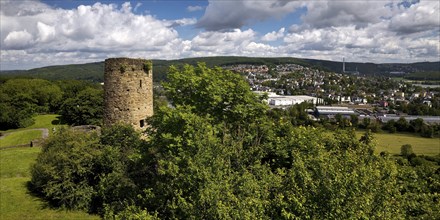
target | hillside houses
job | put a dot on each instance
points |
(333, 88)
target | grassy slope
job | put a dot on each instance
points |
(48, 121)
(392, 143)
(45, 121)
(20, 137)
(25, 135)
(15, 200)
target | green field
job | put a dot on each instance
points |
(48, 121)
(392, 143)
(15, 200)
(20, 137)
(26, 135)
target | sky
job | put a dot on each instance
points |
(55, 32)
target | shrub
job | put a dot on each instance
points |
(63, 172)
(406, 150)
(427, 131)
(79, 170)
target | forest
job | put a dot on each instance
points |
(79, 102)
(230, 158)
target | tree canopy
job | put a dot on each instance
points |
(79, 102)
(219, 153)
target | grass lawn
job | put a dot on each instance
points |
(41, 121)
(15, 200)
(25, 135)
(392, 143)
(20, 137)
(46, 121)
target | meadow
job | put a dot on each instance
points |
(392, 143)
(19, 137)
(16, 202)
(26, 135)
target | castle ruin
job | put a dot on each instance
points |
(128, 87)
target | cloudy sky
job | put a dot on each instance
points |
(53, 32)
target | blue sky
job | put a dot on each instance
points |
(52, 32)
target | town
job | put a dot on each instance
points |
(348, 93)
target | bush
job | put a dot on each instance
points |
(418, 161)
(64, 171)
(406, 150)
(79, 170)
(427, 131)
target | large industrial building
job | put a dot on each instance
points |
(331, 111)
(275, 100)
(426, 119)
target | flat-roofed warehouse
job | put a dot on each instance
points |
(408, 118)
(292, 100)
(332, 110)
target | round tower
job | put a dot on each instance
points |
(128, 87)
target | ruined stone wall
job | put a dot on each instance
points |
(128, 87)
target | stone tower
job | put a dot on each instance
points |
(128, 87)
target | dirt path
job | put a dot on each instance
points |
(4, 135)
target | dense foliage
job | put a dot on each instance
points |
(84, 108)
(79, 170)
(20, 98)
(78, 102)
(416, 126)
(220, 153)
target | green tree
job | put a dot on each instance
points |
(46, 94)
(16, 111)
(21, 98)
(82, 170)
(220, 93)
(85, 108)
(354, 119)
(121, 174)
(271, 170)
(216, 154)
(420, 188)
(416, 125)
(406, 150)
(427, 131)
(390, 126)
(64, 170)
(402, 124)
(365, 123)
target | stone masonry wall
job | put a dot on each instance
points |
(128, 87)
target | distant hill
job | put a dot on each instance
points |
(89, 71)
(95, 71)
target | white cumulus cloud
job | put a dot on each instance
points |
(45, 32)
(83, 34)
(16, 40)
(273, 36)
